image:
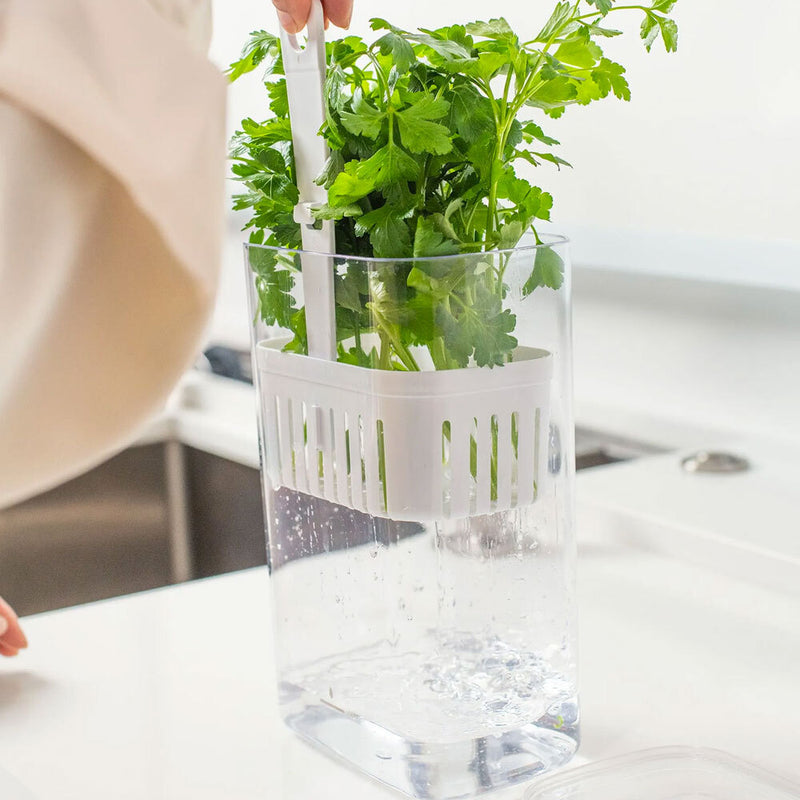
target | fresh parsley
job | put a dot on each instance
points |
(425, 130)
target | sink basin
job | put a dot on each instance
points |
(112, 530)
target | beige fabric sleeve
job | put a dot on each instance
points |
(111, 171)
(192, 17)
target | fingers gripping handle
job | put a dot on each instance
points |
(305, 78)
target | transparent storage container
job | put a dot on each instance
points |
(419, 508)
(666, 773)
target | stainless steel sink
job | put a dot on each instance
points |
(157, 514)
(596, 448)
(117, 529)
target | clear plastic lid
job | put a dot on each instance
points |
(666, 773)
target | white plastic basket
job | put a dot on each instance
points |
(407, 445)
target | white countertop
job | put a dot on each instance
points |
(689, 608)
(169, 695)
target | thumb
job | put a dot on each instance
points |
(3, 625)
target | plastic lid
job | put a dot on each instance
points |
(666, 773)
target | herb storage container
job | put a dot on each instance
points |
(418, 495)
(666, 773)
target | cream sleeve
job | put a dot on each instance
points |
(111, 194)
(192, 17)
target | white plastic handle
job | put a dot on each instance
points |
(305, 79)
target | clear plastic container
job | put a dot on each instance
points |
(419, 508)
(666, 773)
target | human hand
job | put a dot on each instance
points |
(293, 14)
(12, 639)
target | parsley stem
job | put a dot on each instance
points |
(487, 91)
(390, 339)
(438, 353)
(471, 218)
(380, 77)
(422, 182)
(506, 89)
(385, 357)
(616, 8)
(357, 336)
(504, 260)
(595, 15)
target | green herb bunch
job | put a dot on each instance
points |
(425, 130)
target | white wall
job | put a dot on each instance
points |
(708, 143)
(715, 357)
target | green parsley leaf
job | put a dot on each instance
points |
(399, 48)
(548, 270)
(586, 90)
(531, 131)
(561, 14)
(608, 75)
(429, 241)
(655, 24)
(669, 34)
(470, 114)
(260, 47)
(493, 29)
(279, 101)
(603, 6)
(333, 166)
(664, 6)
(554, 94)
(388, 232)
(418, 131)
(364, 120)
(387, 166)
(274, 284)
(578, 51)
(349, 186)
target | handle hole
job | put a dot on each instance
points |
(295, 44)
